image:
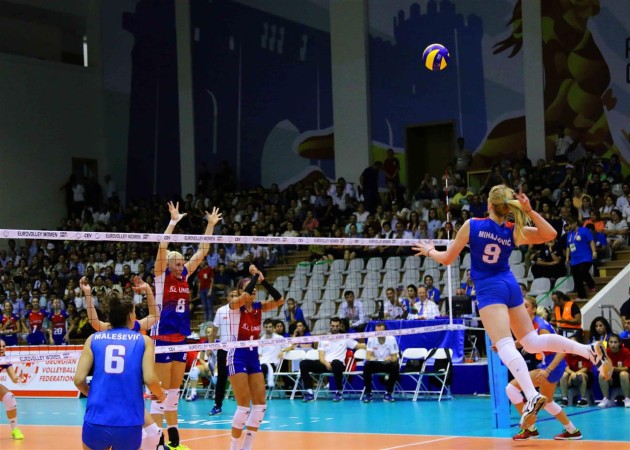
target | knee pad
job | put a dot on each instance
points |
(507, 350)
(194, 373)
(256, 416)
(514, 394)
(240, 417)
(530, 342)
(172, 400)
(157, 408)
(553, 408)
(9, 401)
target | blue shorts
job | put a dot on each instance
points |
(556, 373)
(501, 290)
(36, 338)
(10, 340)
(243, 360)
(101, 437)
(58, 338)
(169, 357)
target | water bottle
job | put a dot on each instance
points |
(475, 355)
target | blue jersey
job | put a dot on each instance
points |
(490, 247)
(116, 391)
(579, 244)
(173, 299)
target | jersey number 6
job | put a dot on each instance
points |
(114, 359)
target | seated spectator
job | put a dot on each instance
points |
(607, 209)
(624, 311)
(392, 308)
(10, 325)
(586, 208)
(567, 316)
(300, 329)
(625, 334)
(279, 328)
(616, 231)
(547, 261)
(332, 355)
(577, 374)
(206, 362)
(270, 355)
(468, 286)
(424, 307)
(600, 330)
(596, 220)
(432, 292)
(353, 311)
(292, 314)
(81, 328)
(310, 224)
(382, 357)
(620, 359)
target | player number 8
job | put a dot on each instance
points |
(181, 305)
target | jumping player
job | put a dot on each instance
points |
(498, 294)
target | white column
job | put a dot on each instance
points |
(185, 88)
(534, 78)
(351, 114)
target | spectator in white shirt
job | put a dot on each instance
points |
(332, 357)
(391, 308)
(270, 355)
(425, 308)
(382, 357)
(353, 310)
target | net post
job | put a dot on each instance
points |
(497, 377)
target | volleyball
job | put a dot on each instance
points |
(436, 57)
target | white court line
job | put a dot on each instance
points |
(420, 443)
(206, 437)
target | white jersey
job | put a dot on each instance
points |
(336, 350)
(269, 354)
(222, 323)
(382, 351)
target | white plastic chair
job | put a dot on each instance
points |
(374, 264)
(539, 286)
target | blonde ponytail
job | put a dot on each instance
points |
(502, 197)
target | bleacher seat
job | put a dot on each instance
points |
(374, 264)
(411, 263)
(392, 264)
(539, 286)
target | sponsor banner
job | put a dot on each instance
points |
(47, 374)
(265, 240)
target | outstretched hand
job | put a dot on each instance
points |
(253, 270)
(214, 217)
(139, 285)
(423, 248)
(173, 209)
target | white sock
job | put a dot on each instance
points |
(570, 427)
(194, 391)
(248, 439)
(310, 391)
(234, 443)
(13, 423)
(514, 361)
(554, 343)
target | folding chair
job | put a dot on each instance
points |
(290, 376)
(417, 357)
(439, 372)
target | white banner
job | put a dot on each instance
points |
(50, 374)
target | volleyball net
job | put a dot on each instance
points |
(361, 282)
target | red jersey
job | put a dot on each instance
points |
(58, 322)
(173, 298)
(576, 362)
(36, 320)
(9, 323)
(619, 359)
(205, 277)
(246, 325)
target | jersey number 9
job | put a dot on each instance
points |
(491, 253)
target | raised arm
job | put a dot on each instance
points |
(91, 310)
(202, 251)
(278, 299)
(160, 260)
(148, 370)
(541, 232)
(141, 286)
(446, 257)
